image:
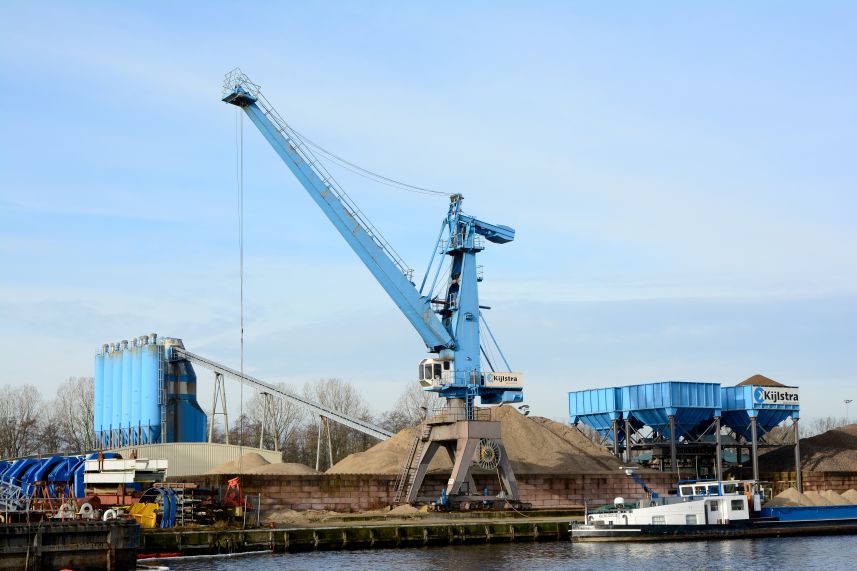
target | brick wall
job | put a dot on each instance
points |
(819, 481)
(343, 493)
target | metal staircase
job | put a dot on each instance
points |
(409, 467)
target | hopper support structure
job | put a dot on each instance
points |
(689, 428)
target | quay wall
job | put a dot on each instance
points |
(358, 492)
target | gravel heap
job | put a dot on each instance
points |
(760, 381)
(255, 463)
(831, 451)
(535, 445)
(791, 497)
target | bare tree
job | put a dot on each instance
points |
(21, 413)
(820, 425)
(411, 408)
(343, 397)
(278, 418)
(72, 412)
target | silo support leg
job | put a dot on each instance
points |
(673, 454)
(615, 437)
(755, 437)
(798, 474)
(627, 440)
(718, 462)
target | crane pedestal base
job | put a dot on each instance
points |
(461, 441)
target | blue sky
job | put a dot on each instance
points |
(681, 177)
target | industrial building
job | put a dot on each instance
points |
(689, 428)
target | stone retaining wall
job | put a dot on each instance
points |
(818, 481)
(352, 492)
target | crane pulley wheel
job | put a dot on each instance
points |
(488, 454)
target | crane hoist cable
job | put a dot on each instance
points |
(366, 173)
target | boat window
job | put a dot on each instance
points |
(687, 490)
(690, 519)
(712, 507)
(737, 505)
(437, 370)
(729, 488)
(658, 520)
(713, 490)
(699, 490)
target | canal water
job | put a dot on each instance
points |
(794, 553)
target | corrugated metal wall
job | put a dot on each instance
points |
(195, 458)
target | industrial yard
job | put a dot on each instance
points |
(478, 279)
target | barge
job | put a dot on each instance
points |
(710, 510)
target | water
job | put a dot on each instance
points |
(799, 553)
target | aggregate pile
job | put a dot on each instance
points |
(535, 445)
(831, 451)
(255, 463)
(791, 497)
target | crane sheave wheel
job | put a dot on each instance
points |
(488, 454)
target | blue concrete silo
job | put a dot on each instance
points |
(107, 406)
(116, 410)
(127, 369)
(136, 385)
(150, 387)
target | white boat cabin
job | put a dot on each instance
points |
(698, 503)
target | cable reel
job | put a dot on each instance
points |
(488, 454)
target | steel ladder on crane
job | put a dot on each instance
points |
(409, 470)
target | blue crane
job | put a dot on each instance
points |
(449, 322)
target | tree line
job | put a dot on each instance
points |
(30, 424)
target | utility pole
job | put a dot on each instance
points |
(847, 402)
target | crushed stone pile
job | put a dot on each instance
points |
(831, 451)
(792, 498)
(255, 463)
(535, 445)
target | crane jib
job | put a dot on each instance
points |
(364, 242)
(447, 320)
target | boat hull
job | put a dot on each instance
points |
(581, 533)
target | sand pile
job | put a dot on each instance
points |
(247, 462)
(283, 468)
(816, 499)
(535, 445)
(789, 498)
(832, 451)
(834, 498)
(760, 381)
(255, 463)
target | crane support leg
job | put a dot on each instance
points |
(461, 440)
